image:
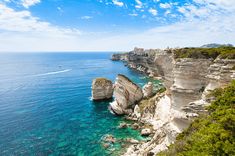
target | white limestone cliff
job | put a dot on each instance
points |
(126, 94)
(148, 90)
(187, 83)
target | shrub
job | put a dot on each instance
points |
(212, 133)
(205, 53)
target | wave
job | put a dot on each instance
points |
(52, 73)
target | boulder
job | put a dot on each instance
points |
(105, 145)
(148, 90)
(126, 94)
(132, 141)
(108, 138)
(115, 108)
(135, 126)
(136, 112)
(123, 125)
(102, 89)
(146, 132)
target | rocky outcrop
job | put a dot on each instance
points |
(146, 132)
(187, 83)
(102, 88)
(140, 59)
(126, 94)
(148, 90)
(219, 74)
(119, 57)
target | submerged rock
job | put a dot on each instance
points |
(105, 145)
(135, 126)
(126, 94)
(109, 139)
(123, 125)
(102, 89)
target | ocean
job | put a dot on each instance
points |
(46, 106)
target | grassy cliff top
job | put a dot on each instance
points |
(205, 53)
(102, 81)
(212, 133)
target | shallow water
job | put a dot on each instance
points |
(45, 106)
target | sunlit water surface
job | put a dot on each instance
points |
(45, 106)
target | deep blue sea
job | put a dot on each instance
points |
(45, 106)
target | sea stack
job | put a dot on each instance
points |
(126, 94)
(102, 89)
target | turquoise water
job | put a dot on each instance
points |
(45, 106)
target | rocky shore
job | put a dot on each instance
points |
(187, 82)
(164, 115)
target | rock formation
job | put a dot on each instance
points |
(118, 57)
(126, 94)
(102, 88)
(146, 132)
(187, 82)
(148, 90)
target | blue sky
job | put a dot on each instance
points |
(113, 25)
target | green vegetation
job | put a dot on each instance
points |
(206, 53)
(213, 133)
(147, 103)
(162, 90)
(102, 81)
(150, 102)
(233, 67)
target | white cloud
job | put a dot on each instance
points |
(118, 3)
(227, 4)
(139, 4)
(167, 12)
(153, 11)
(133, 14)
(165, 5)
(86, 17)
(182, 10)
(28, 3)
(60, 10)
(206, 23)
(23, 21)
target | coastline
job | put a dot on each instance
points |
(187, 82)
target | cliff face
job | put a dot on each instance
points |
(126, 94)
(187, 81)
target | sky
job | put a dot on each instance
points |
(113, 25)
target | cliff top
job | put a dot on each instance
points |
(216, 45)
(205, 53)
(123, 76)
(101, 81)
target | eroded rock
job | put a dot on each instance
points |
(146, 132)
(132, 141)
(108, 138)
(135, 126)
(148, 90)
(102, 89)
(126, 94)
(123, 125)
